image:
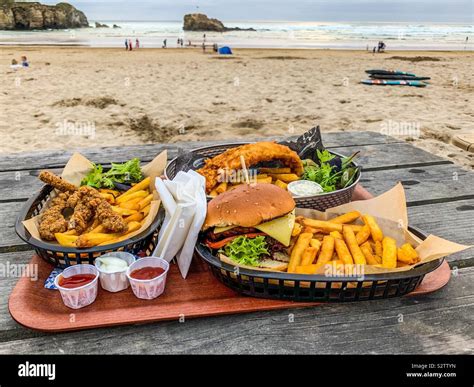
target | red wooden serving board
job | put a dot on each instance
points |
(200, 295)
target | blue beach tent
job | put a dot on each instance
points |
(225, 50)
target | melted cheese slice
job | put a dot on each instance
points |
(279, 228)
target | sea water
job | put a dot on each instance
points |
(271, 34)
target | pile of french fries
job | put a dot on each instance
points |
(133, 205)
(277, 176)
(340, 242)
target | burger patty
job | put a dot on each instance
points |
(221, 239)
(212, 236)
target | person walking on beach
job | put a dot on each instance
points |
(182, 43)
(203, 47)
(137, 43)
(126, 44)
(130, 45)
(164, 43)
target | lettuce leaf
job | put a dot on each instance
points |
(246, 251)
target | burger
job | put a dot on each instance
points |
(250, 226)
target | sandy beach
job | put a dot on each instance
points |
(74, 97)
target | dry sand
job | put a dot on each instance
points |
(83, 97)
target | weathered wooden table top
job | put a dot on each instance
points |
(440, 197)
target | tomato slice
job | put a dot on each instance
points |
(223, 242)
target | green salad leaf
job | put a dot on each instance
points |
(128, 173)
(246, 251)
(331, 172)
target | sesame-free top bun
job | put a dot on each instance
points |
(248, 205)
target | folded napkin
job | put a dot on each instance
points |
(184, 200)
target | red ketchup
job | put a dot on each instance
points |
(147, 273)
(76, 281)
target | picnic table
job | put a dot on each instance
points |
(440, 198)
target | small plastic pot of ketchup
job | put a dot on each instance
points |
(147, 277)
(78, 285)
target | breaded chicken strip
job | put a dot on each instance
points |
(253, 154)
(52, 219)
(55, 181)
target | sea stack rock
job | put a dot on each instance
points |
(36, 16)
(200, 22)
(100, 25)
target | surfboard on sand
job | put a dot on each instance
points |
(399, 77)
(383, 82)
(389, 72)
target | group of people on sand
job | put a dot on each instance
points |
(129, 44)
(380, 47)
(24, 63)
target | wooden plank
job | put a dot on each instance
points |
(452, 221)
(389, 156)
(58, 158)
(446, 182)
(438, 323)
(20, 185)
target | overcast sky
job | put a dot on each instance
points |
(303, 10)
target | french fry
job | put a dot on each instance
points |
(375, 231)
(266, 180)
(109, 197)
(66, 240)
(336, 234)
(296, 254)
(363, 234)
(123, 211)
(145, 201)
(378, 248)
(410, 251)
(310, 229)
(132, 227)
(222, 187)
(355, 227)
(275, 171)
(327, 250)
(99, 229)
(309, 255)
(402, 256)
(315, 243)
(131, 204)
(285, 177)
(145, 211)
(343, 252)
(137, 217)
(112, 192)
(213, 193)
(131, 196)
(297, 228)
(346, 218)
(281, 184)
(322, 224)
(351, 240)
(307, 269)
(389, 256)
(70, 232)
(369, 255)
(93, 239)
(143, 185)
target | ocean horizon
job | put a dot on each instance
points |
(267, 34)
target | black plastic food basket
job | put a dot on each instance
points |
(319, 202)
(317, 288)
(141, 244)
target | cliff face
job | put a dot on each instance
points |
(32, 16)
(200, 22)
